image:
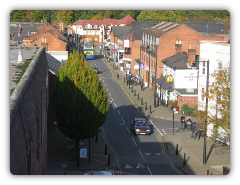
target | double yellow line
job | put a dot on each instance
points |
(164, 153)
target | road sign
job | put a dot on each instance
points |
(83, 153)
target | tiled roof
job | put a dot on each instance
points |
(105, 22)
(126, 34)
(174, 61)
(164, 84)
(137, 27)
(120, 30)
(127, 20)
(214, 28)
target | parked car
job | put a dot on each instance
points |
(99, 173)
(106, 47)
(96, 69)
(140, 126)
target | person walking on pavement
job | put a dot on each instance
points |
(198, 132)
(193, 129)
(189, 122)
(183, 123)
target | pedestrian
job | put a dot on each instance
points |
(128, 79)
(193, 128)
(198, 132)
(141, 84)
(183, 123)
(189, 122)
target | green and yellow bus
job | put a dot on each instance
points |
(88, 51)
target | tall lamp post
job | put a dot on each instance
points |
(206, 109)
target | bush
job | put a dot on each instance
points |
(187, 110)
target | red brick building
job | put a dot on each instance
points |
(158, 43)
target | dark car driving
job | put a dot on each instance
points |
(96, 69)
(140, 126)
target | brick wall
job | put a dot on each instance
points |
(28, 119)
(167, 43)
(191, 101)
(54, 44)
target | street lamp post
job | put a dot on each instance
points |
(206, 109)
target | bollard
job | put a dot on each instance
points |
(146, 106)
(96, 140)
(117, 75)
(138, 96)
(184, 159)
(108, 159)
(105, 149)
(141, 101)
(129, 84)
(207, 172)
(134, 92)
(132, 88)
(150, 109)
(124, 79)
(177, 149)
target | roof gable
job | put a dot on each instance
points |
(177, 61)
(137, 27)
(126, 20)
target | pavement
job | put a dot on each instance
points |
(187, 152)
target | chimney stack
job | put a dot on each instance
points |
(191, 55)
(178, 46)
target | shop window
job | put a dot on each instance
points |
(127, 51)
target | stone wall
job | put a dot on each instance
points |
(28, 119)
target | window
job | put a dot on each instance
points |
(219, 66)
(127, 51)
(202, 94)
(203, 68)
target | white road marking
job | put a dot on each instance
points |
(149, 170)
(134, 141)
(119, 112)
(122, 119)
(128, 129)
(140, 166)
(141, 155)
(127, 166)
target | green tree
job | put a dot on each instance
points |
(17, 15)
(80, 102)
(219, 103)
(66, 16)
(157, 15)
(40, 15)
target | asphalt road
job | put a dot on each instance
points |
(135, 155)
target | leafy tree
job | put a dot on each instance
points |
(17, 15)
(219, 103)
(66, 16)
(157, 15)
(80, 102)
(29, 15)
(40, 15)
